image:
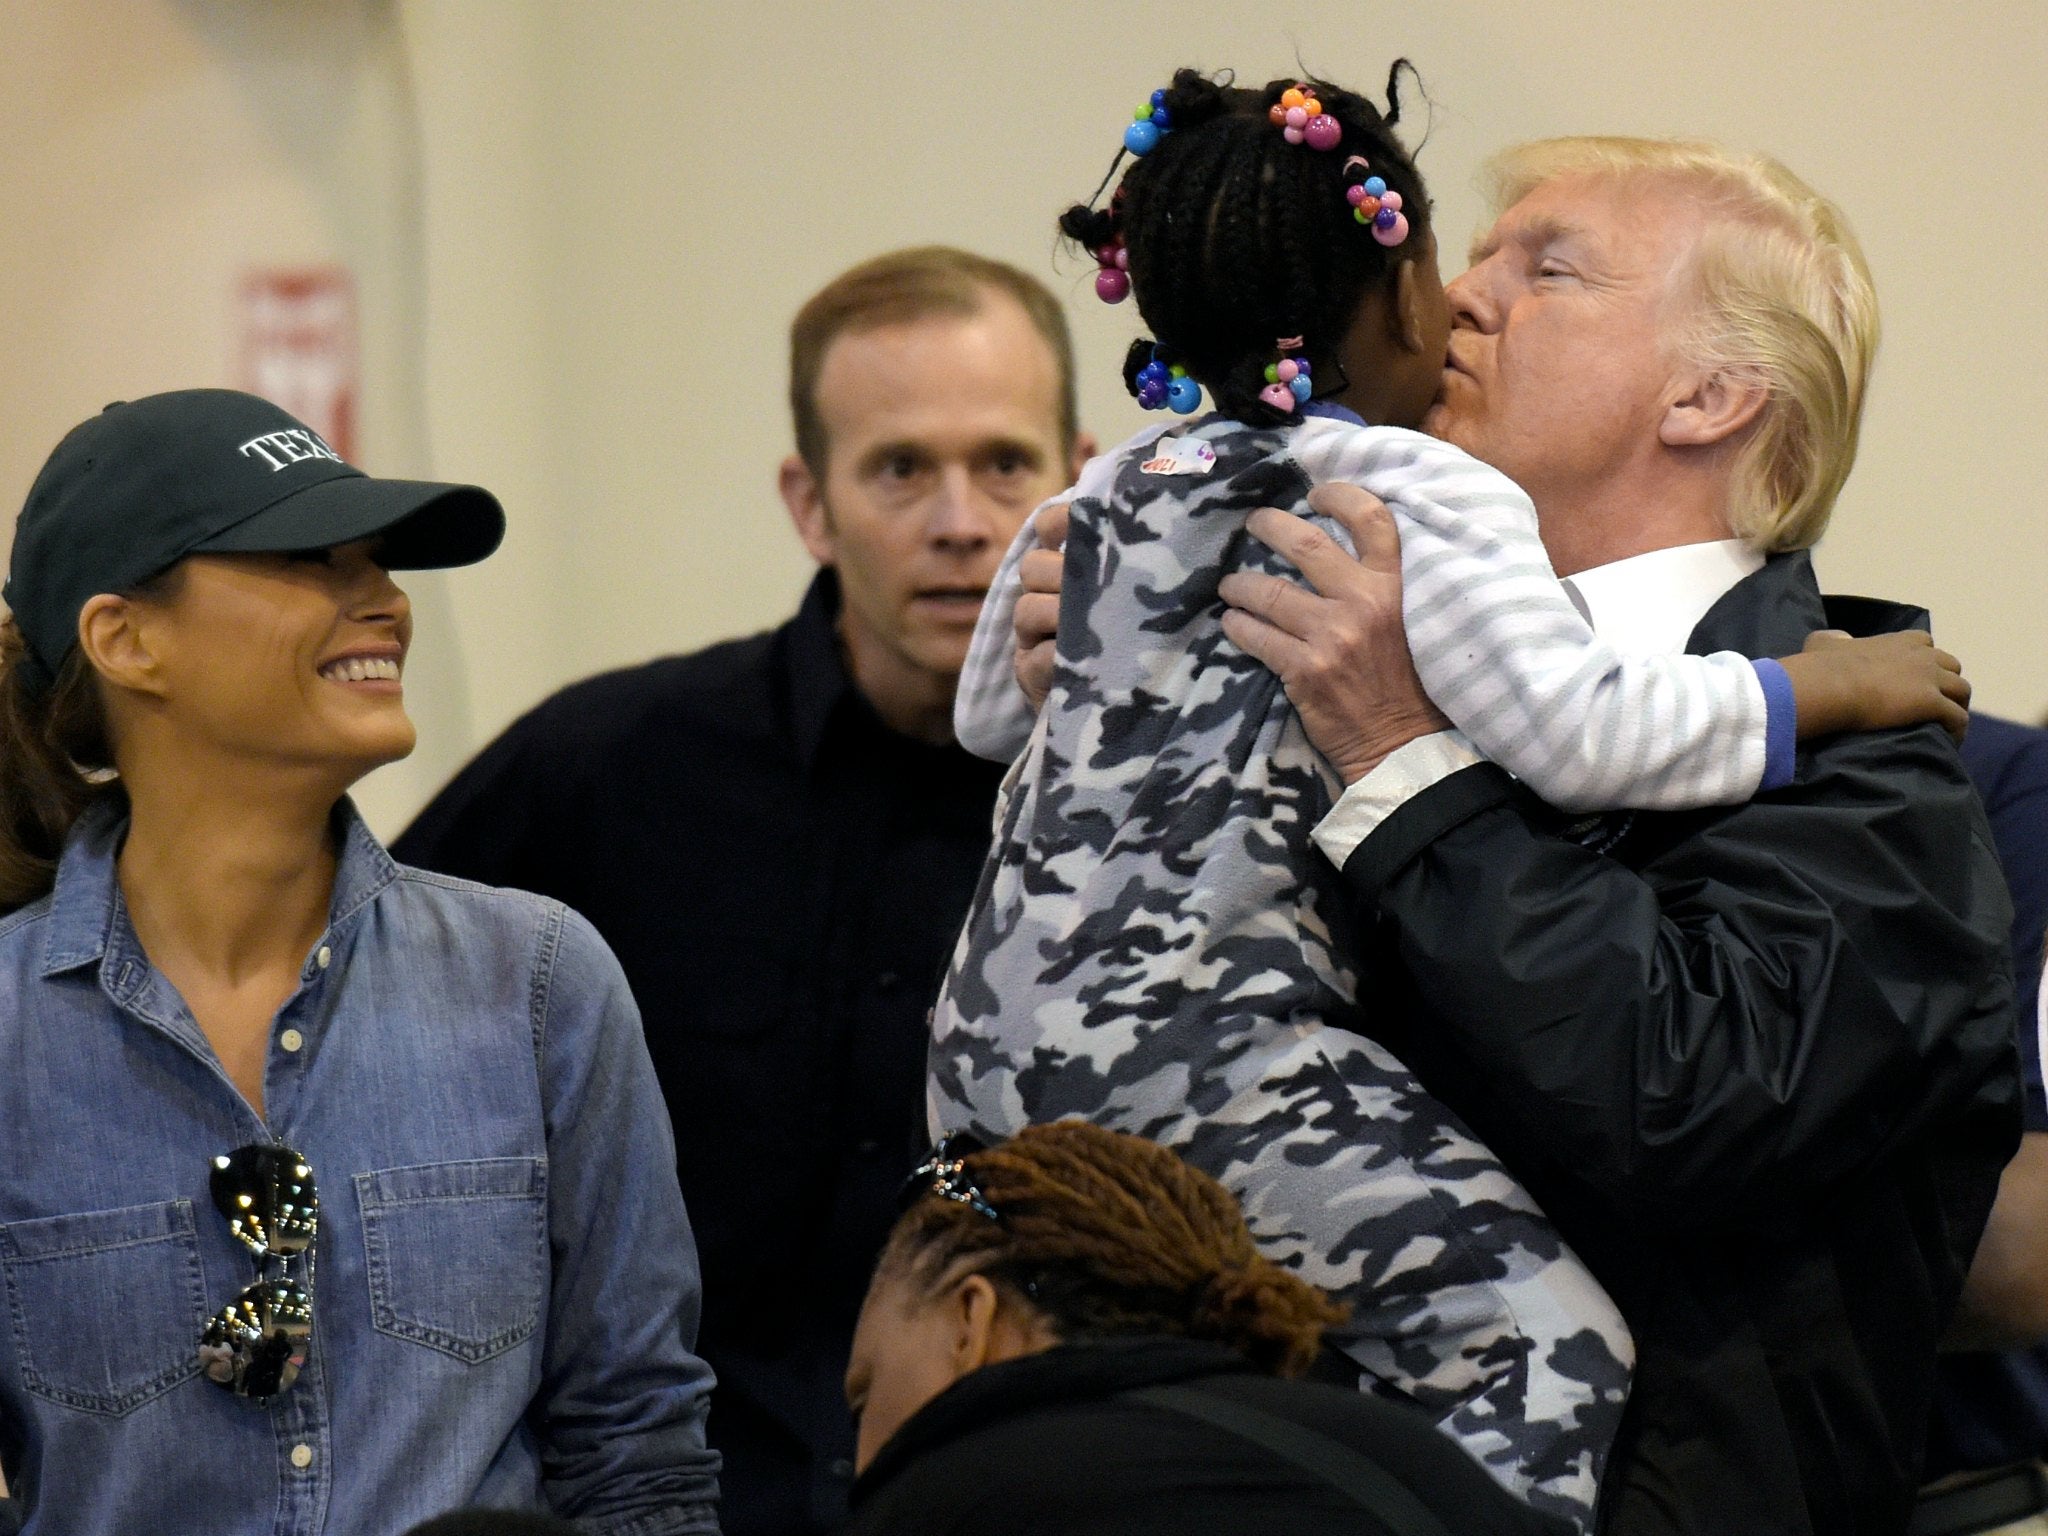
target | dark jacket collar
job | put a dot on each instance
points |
(1771, 612)
(1070, 1373)
(814, 668)
(823, 697)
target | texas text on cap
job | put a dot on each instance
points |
(131, 492)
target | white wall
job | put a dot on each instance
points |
(620, 202)
(155, 151)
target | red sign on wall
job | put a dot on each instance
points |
(298, 349)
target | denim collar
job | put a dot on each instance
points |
(87, 912)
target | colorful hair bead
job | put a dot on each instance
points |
(1302, 120)
(1373, 204)
(1113, 282)
(1149, 124)
(1389, 224)
(1163, 384)
(1287, 381)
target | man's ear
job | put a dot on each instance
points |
(1404, 316)
(119, 645)
(1711, 408)
(805, 499)
(1085, 448)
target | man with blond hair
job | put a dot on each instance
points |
(779, 835)
(1756, 1062)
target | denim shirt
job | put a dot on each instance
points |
(505, 1290)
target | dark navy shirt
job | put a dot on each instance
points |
(782, 877)
(1991, 1409)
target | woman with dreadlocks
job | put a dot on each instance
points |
(1074, 1332)
(1155, 944)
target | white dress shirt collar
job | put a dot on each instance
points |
(1643, 606)
(1650, 604)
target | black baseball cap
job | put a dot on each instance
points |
(134, 490)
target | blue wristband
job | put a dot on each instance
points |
(1781, 724)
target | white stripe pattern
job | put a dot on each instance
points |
(1499, 646)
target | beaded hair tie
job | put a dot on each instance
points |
(1287, 381)
(1373, 204)
(1302, 120)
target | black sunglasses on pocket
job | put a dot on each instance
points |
(256, 1344)
(944, 1173)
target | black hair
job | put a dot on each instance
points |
(1236, 237)
(52, 740)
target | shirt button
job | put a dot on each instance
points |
(302, 1456)
(842, 1468)
(324, 958)
(291, 1040)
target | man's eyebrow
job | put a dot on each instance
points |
(882, 452)
(1532, 234)
(1024, 448)
(987, 448)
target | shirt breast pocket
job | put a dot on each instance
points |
(106, 1306)
(457, 1253)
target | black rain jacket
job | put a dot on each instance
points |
(1054, 1444)
(1758, 1064)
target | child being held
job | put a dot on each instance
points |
(1155, 944)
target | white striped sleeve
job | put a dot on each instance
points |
(991, 716)
(1503, 652)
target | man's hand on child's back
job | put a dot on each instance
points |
(1845, 684)
(1337, 644)
(1037, 620)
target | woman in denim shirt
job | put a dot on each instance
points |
(222, 1004)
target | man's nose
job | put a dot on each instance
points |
(960, 516)
(1471, 300)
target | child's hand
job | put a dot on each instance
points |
(1037, 620)
(1846, 684)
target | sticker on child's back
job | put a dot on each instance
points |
(1180, 456)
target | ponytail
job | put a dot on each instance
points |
(1109, 1235)
(53, 761)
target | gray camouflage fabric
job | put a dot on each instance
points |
(1156, 946)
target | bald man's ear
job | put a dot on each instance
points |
(1085, 448)
(1714, 408)
(120, 645)
(805, 499)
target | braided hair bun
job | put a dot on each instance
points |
(1234, 237)
(1109, 1235)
